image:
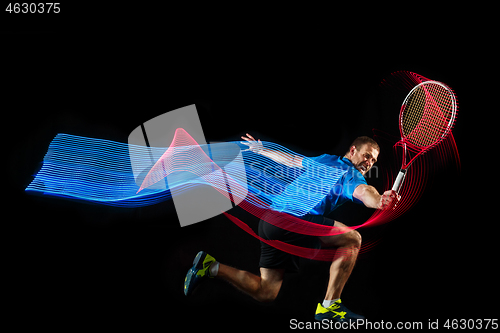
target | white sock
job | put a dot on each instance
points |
(328, 303)
(214, 268)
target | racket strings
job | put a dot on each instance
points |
(427, 114)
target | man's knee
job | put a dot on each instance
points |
(267, 295)
(355, 238)
(270, 284)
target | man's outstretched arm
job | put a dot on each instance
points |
(257, 147)
(372, 199)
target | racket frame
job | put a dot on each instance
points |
(420, 150)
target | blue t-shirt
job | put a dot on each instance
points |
(343, 191)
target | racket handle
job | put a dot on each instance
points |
(399, 180)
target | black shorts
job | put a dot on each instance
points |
(271, 257)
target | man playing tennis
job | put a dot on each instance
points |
(358, 160)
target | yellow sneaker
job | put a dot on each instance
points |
(337, 312)
(199, 272)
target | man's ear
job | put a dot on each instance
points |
(352, 151)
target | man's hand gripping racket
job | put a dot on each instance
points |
(426, 118)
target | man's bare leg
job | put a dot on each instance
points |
(263, 288)
(348, 245)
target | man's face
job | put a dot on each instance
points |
(364, 158)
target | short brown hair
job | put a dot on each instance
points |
(363, 140)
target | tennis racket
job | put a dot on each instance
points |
(426, 118)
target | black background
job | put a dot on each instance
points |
(312, 87)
